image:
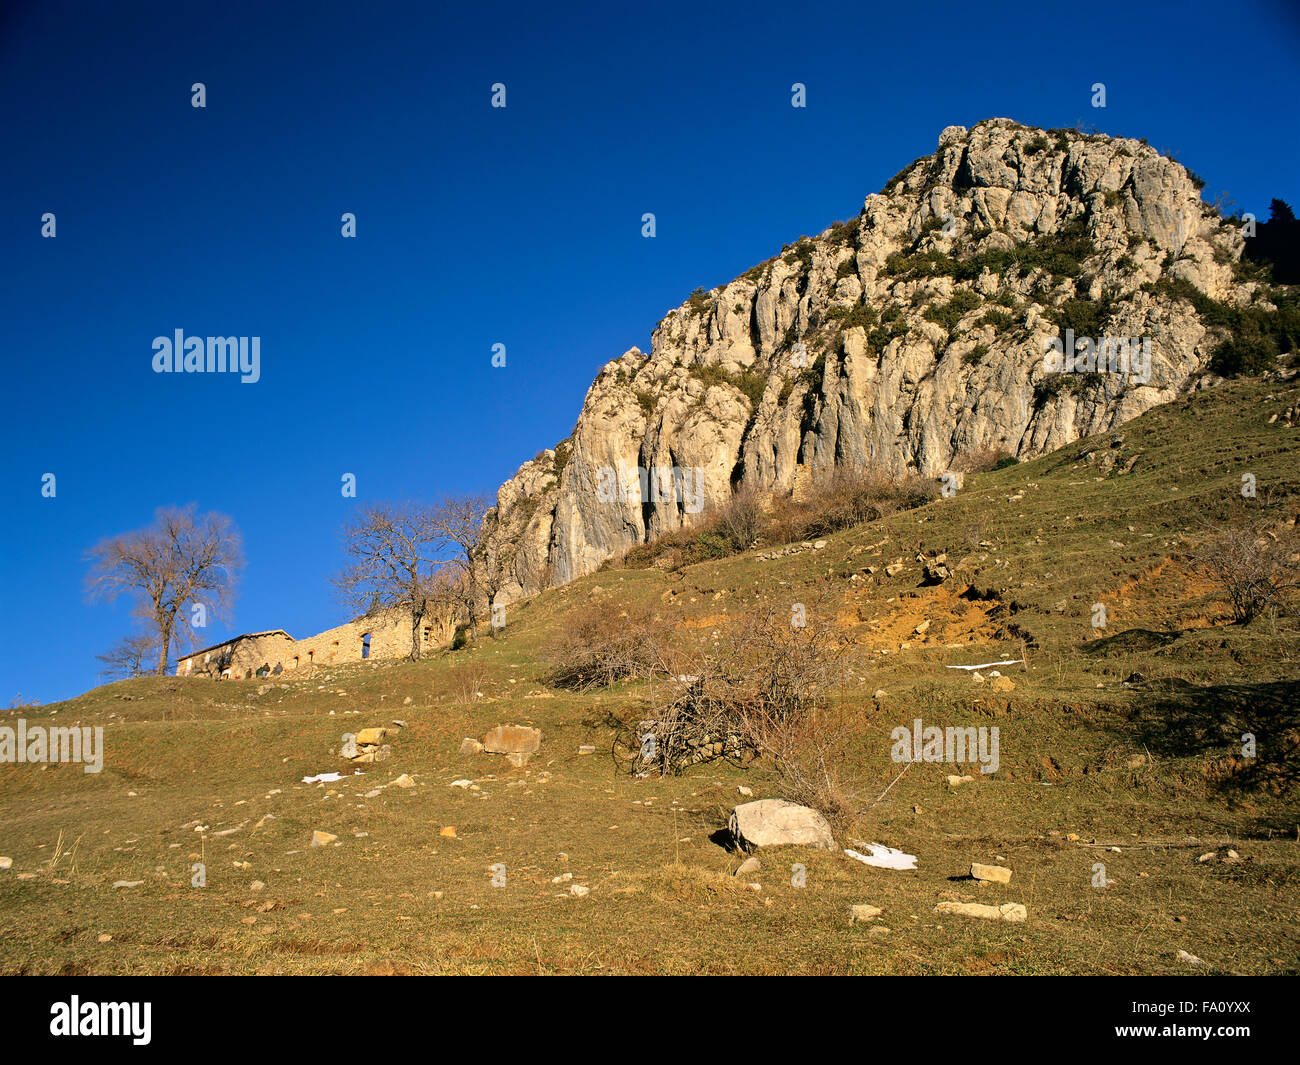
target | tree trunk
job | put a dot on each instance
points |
(165, 634)
(415, 634)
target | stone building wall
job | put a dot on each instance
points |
(389, 633)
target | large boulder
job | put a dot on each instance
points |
(778, 823)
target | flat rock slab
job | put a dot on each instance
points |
(513, 739)
(1008, 911)
(996, 874)
(779, 823)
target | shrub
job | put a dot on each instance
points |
(604, 642)
(998, 319)
(962, 303)
(975, 355)
(648, 402)
(740, 521)
(1251, 564)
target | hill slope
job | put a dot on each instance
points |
(198, 770)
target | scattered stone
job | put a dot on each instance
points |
(957, 782)
(880, 694)
(778, 822)
(349, 748)
(749, 865)
(470, 746)
(404, 781)
(449, 831)
(1190, 959)
(894, 568)
(587, 748)
(104, 937)
(1073, 837)
(374, 793)
(922, 628)
(1003, 684)
(127, 883)
(513, 739)
(1208, 856)
(518, 759)
(322, 839)
(6, 863)
(256, 885)
(563, 878)
(746, 792)
(994, 874)
(398, 721)
(863, 912)
(371, 737)
(1008, 911)
(819, 545)
(579, 890)
(461, 784)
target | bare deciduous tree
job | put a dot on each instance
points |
(398, 557)
(130, 656)
(459, 521)
(183, 560)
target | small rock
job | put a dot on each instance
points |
(563, 878)
(863, 912)
(518, 759)
(322, 839)
(746, 792)
(579, 890)
(1208, 856)
(449, 831)
(587, 748)
(370, 737)
(1003, 684)
(1073, 837)
(819, 545)
(127, 883)
(994, 874)
(6, 863)
(460, 784)
(256, 885)
(513, 739)
(956, 782)
(104, 937)
(1190, 959)
(404, 781)
(470, 746)
(921, 628)
(1008, 911)
(749, 865)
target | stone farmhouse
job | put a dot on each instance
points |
(385, 634)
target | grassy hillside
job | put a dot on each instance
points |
(202, 771)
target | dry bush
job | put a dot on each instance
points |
(981, 460)
(740, 521)
(1253, 562)
(465, 682)
(847, 498)
(765, 688)
(606, 641)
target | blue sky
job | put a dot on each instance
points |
(476, 226)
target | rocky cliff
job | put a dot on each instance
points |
(909, 336)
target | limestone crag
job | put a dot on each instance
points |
(901, 340)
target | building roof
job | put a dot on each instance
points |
(233, 640)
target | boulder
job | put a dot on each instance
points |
(470, 746)
(778, 823)
(513, 739)
(371, 737)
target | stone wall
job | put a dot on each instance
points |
(276, 651)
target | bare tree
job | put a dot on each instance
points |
(398, 557)
(460, 526)
(130, 656)
(183, 560)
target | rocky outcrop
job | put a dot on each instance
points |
(901, 340)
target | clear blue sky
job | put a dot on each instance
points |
(475, 226)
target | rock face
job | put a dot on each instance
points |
(902, 340)
(776, 823)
